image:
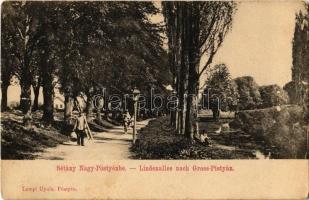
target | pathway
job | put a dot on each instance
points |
(110, 145)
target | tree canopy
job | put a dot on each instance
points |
(82, 47)
(220, 84)
(298, 88)
(273, 95)
(249, 95)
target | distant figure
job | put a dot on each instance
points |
(215, 109)
(80, 128)
(126, 121)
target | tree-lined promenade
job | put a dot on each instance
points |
(81, 48)
(111, 60)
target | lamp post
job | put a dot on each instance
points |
(208, 98)
(136, 94)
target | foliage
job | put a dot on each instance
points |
(215, 22)
(290, 89)
(124, 60)
(221, 85)
(249, 95)
(300, 55)
(19, 34)
(281, 129)
(83, 46)
(156, 142)
(273, 95)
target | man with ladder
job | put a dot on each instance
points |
(81, 127)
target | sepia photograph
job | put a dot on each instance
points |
(155, 99)
(92, 80)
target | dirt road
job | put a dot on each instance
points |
(111, 145)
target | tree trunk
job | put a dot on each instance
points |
(25, 103)
(183, 42)
(89, 107)
(183, 65)
(25, 84)
(191, 117)
(47, 83)
(68, 99)
(68, 108)
(182, 117)
(25, 97)
(48, 96)
(36, 90)
(192, 53)
(174, 19)
(192, 128)
(99, 117)
(173, 118)
(4, 98)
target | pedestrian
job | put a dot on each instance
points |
(215, 107)
(80, 129)
(126, 121)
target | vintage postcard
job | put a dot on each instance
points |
(155, 99)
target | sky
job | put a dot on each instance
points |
(260, 41)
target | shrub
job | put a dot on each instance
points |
(282, 130)
(273, 95)
(249, 95)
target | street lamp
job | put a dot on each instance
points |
(136, 94)
(208, 97)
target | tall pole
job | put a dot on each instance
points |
(134, 125)
(136, 93)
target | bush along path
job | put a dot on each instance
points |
(157, 142)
